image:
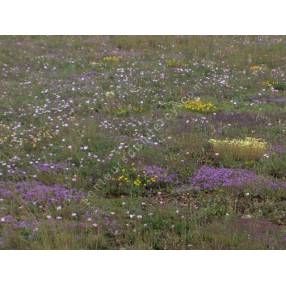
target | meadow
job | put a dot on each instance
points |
(142, 142)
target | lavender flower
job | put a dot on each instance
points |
(47, 167)
(4, 194)
(161, 174)
(38, 192)
(209, 178)
(7, 219)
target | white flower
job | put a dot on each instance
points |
(49, 216)
(74, 214)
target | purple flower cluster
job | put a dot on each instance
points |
(278, 149)
(4, 194)
(210, 178)
(161, 174)
(37, 192)
(239, 118)
(47, 167)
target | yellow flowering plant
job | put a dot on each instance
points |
(280, 86)
(199, 106)
(241, 149)
(174, 63)
(111, 59)
(257, 68)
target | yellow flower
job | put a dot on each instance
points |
(199, 106)
(247, 149)
(137, 182)
(123, 179)
(174, 63)
(111, 59)
(256, 68)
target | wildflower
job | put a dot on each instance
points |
(209, 178)
(74, 214)
(248, 148)
(256, 68)
(48, 216)
(123, 179)
(137, 182)
(111, 59)
(199, 106)
(95, 225)
(174, 63)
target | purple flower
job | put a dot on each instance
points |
(4, 194)
(38, 192)
(7, 219)
(23, 224)
(210, 178)
(48, 167)
(161, 174)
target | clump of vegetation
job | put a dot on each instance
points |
(111, 59)
(277, 85)
(174, 63)
(257, 68)
(199, 106)
(240, 149)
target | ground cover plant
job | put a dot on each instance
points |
(166, 142)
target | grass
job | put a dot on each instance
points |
(118, 119)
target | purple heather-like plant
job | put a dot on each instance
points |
(161, 174)
(210, 178)
(8, 219)
(37, 192)
(47, 167)
(41, 193)
(4, 194)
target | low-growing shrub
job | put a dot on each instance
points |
(240, 149)
(199, 106)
